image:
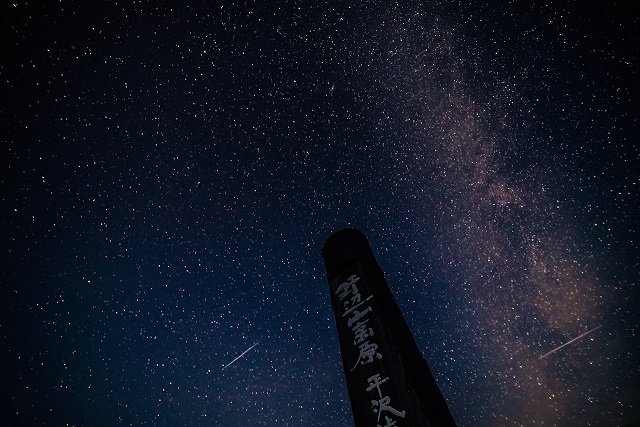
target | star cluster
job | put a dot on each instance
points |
(170, 173)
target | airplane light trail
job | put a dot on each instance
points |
(569, 342)
(242, 354)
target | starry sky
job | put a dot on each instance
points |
(171, 171)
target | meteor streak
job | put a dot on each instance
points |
(241, 354)
(569, 342)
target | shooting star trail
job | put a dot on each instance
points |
(241, 354)
(569, 342)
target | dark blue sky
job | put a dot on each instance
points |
(170, 172)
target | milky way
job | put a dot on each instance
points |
(170, 174)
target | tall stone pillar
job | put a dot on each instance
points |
(389, 381)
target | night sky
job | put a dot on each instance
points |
(170, 173)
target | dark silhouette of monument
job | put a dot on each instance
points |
(389, 381)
